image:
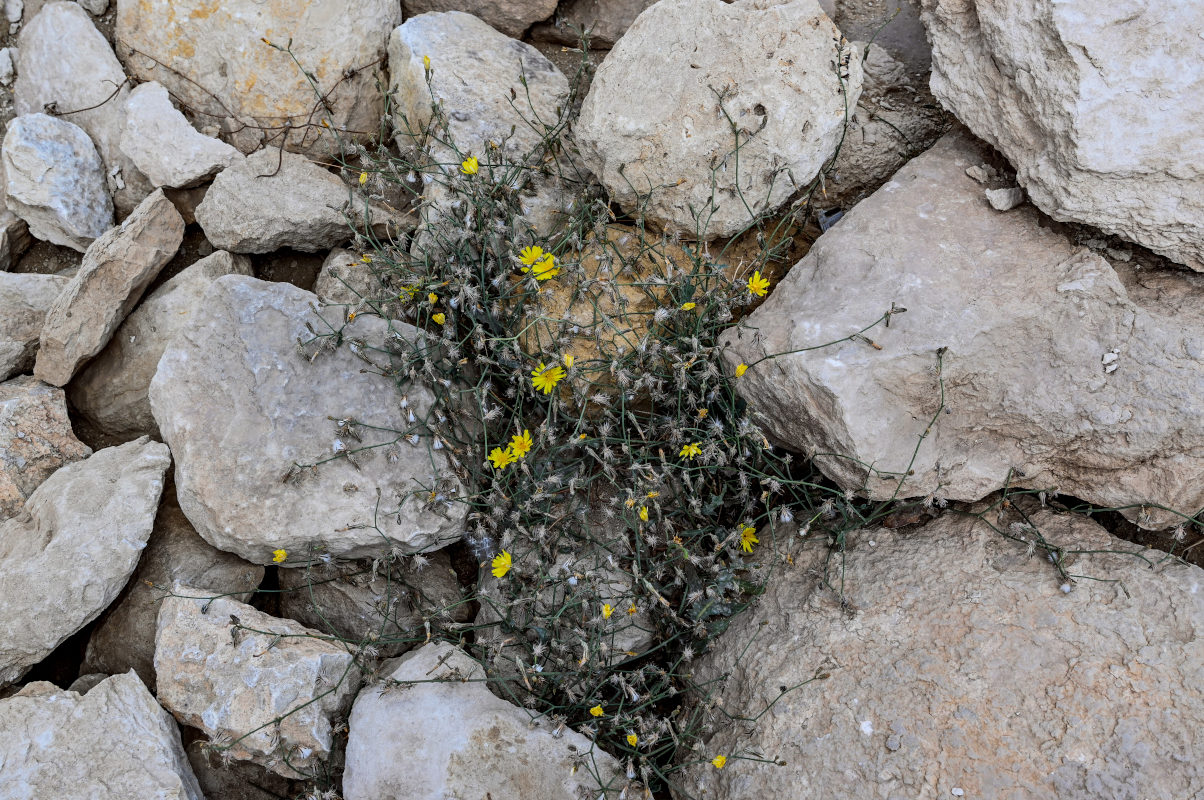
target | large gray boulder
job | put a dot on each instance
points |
(124, 638)
(35, 439)
(112, 390)
(960, 663)
(247, 414)
(665, 109)
(71, 551)
(112, 743)
(211, 57)
(55, 181)
(511, 17)
(233, 672)
(606, 21)
(1052, 375)
(67, 64)
(1098, 106)
(25, 298)
(115, 272)
(432, 730)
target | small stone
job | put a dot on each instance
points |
(232, 671)
(1005, 199)
(981, 173)
(14, 10)
(161, 142)
(446, 735)
(95, 7)
(115, 272)
(511, 17)
(114, 742)
(35, 439)
(74, 548)
(7, 69)
(24, 300)
(957, 792)
(54, 180)
(112, 390)
(275, 199)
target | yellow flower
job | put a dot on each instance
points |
(367, 259)
(654, 494)
(407, 293)
(545, 268)
(690, 450)
(501, 458)
(631, 609)
(632, 739)
(719, 761)
(758, 285)
(363, 178)
(596, 711)
(644, 513)
(351, 316)
(279, 555)
(439, 318)
(434, 298)
(520, 444)
(501, 564)
(568, 359)
(545, 378)
(426, 62)
(529, 255)
(687, 306)
(702, 413)
(748, 537)
(629, 502)
(741, 369)
(470, 166)
(607, 610)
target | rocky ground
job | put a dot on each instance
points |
(243, 557)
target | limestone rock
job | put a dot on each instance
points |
(115, 271)
(65, 62)
(956, 662)
(24, 300)
(161, 142)
(652, 122)
(1053, 376)
(473, 69)
(358, 604)
(444, 736)
(234, 780)
(68, 555)
(113, 743)
(346, 279)
(272, 200)
(511, 17)
(55, 181)
(606, 20)
(35, 439)
(243, 84)
(894, 26)
(1099, 109)
(111, 391)
(1005, 199)
(245, 414)
(125, 637)
(228, 669)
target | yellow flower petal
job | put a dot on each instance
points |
(469, 166)
(434, 298)
(607, 610)
(426, 62)
(687, 306)
(501, 564)
(632, 739)
(644, 513)
(741, 369)
(719, 761)
(568, 359)
(690, 450)
(596, 711)
(439, 318)
(529, 255)
(279, 555)
(363, 178)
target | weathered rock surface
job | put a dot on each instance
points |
(113, 743)
(227, 669)
(112, 390)
(161, 142)
(233, 780)
(272, 200)
(15, 238)
(115, 272)
(125, 637)
(245, 414)
(606, 20)
(24, 300)
(65, 62)
(1099, 109)
(210, 57)
(1053, 376)
(442, 736)
(35, 439)
(652, 120)
(346, 280)
(894, 26)
(73, 548)
(511, 17)
(956, 663)
(473, 70)
(54, 180)
(387, 609)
